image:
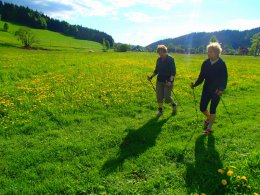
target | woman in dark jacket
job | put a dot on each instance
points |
(166, 71)
(214, 74)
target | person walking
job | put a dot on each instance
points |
(214, 74)
(165, 70)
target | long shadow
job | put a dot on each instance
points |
(2, 44)
(135, 143)
(201, 176)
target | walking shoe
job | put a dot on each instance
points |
(174, 109)
(159, 112)
(206, 123)
(208, 131)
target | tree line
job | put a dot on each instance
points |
(34, 19)
(233, 42)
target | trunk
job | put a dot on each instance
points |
(256, 50)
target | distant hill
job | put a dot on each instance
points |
(47, 40)
(233, 39)
(34, 19)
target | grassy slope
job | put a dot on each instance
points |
(48, 39)
(77, 122)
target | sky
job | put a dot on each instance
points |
(146, 21)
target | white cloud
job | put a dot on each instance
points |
(78, 8)
(161, 4)
(242, 24)
(104, 8)
(140, 17)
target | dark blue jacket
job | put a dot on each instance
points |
(215, 76)
(165, 69)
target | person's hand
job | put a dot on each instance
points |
(149, 78)
(219, 92)
(169, 84)
(192, 85)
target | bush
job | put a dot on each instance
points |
(26, 36)
(6, 27)
(122, 47)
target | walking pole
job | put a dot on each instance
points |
(153, 86)
(226, 110)
(172, 93)
(177, 100)
(195, 104)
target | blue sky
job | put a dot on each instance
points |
(146, 21)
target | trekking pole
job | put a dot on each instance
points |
(172, 93)
(194, 97)
(152, 86)
(177, 100)
(226, 110)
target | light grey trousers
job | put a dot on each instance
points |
(163, 92)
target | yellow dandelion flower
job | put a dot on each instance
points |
(221, 171)
(203, 194)
(248, 187)
(238, 177)
(224, 182)
(230, 173)
(256, 193)
(196, 194)
(244, 178)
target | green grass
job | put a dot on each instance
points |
(48, 40)
(84, 123)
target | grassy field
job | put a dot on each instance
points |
(84, 123)
(47, 40)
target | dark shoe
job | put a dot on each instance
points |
(174, 109)
(208, 131)
(159, 112)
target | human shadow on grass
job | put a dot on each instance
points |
(201, 176)
(135, 143)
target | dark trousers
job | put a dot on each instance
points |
(207, 97)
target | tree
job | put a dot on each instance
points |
(119, 47)
(106, 45)
(26, 36)
(201, 49)
(213, 39)
(255, 47)
(6, 27)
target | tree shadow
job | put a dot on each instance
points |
(135, 143)
(201, 176)
(3, 44)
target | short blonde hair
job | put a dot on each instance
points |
(216, 47)
(162, 48)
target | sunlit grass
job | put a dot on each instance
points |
(78, 122)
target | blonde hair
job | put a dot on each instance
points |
(162, 48)
(216, 47)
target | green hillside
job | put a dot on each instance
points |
(228, 38)
(47, 39)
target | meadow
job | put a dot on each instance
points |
(74, 122)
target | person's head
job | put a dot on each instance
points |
(214, 50)
(162, 51)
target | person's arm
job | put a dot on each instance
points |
(201, 76)
(172, 70)
(223, 80)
